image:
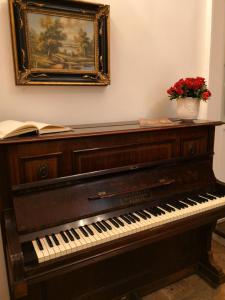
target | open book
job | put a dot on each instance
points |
(12, 128)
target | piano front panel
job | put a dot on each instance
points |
(35, 167)
(86, 154)
(118, 156)
(119, 274)
(195, 143)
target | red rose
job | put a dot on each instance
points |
(179, 91)
(189, 87)
(170, 91)
(179, 84)
(201, 79)
(189, 82)
(206, 95)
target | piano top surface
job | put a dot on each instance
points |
(106, 129)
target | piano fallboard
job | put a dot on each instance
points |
(83, 196)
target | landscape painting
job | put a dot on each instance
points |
(61, 43)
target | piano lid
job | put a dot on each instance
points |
(102, 129)
(58, 201)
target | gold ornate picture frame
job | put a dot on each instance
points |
(60, 42)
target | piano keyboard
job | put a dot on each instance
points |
(76, 239)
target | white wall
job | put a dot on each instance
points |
(153, 43)
(216, 106)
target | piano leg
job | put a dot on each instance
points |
(207, 267)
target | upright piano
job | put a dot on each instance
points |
(109, 209)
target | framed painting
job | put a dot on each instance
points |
(60, 42)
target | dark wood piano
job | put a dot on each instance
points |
(109, 209)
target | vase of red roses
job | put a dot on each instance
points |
(188, 92)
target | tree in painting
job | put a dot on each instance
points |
(50, 39)
(84, 41)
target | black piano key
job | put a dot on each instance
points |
(119, 222)
(97, 227)
(144, 215)
(175, 204)
(189, 202)
(70, 236)
(114, 223)
(147, 214)
(184, 205)
(101, 226)
(130, 218)
(165, 207)
(196, 199)
(179, 204)
(169, 207)
(152, 211)
(76, 235)
(49, 241)
(55, 239)
(218, 194)
(135, 220)
(135, 216)
(204, 199)
(88, 229)
(141, 215)
(125, 219)
(161, 212)
(84, 232)
(65, 239)
(208, 196)
(40, 246)
(107, 225)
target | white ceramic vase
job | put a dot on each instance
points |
(188, 108)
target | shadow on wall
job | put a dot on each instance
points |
(164, 108)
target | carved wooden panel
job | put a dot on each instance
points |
(88, 160)
(39, 167)
(191, 147)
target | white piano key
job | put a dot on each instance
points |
(55, 247)
(45, 249)
(72, 245)
(96, 234)
(114, 233)
(87, 242)
(61, 247)
(38, 252)
(66, 247)
(49, 249)
(127, 229)
(77, 242)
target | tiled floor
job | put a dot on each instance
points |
(193, 287)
